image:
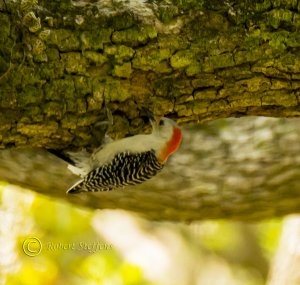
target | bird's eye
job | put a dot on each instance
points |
(161, 123)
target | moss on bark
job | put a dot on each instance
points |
(194, 60)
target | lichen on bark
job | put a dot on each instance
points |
(195, 61)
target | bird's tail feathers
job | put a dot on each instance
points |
(81, 162)
(76, 188)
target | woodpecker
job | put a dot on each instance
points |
(128, 161)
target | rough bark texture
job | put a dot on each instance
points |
(194, 60)
(61, 62)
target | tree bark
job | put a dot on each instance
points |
(196, 61)
(62, 62)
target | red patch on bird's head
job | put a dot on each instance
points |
(172, 145)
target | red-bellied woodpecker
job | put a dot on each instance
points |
(128, 161)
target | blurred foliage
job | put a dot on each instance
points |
(81, 246)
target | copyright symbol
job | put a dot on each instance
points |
(32, 246)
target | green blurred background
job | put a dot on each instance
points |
(81, 246)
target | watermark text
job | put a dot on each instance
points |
(33, 246)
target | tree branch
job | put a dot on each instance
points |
(196, 61)
(245, 169)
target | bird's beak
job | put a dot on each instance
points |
(157, 119)
(151, 116)
(154, 120)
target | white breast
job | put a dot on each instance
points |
(134, 144)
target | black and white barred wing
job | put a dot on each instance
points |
(124, 169)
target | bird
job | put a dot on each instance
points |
(128, 161)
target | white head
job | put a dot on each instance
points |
(169, 132)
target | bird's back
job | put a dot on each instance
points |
(125, 169)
